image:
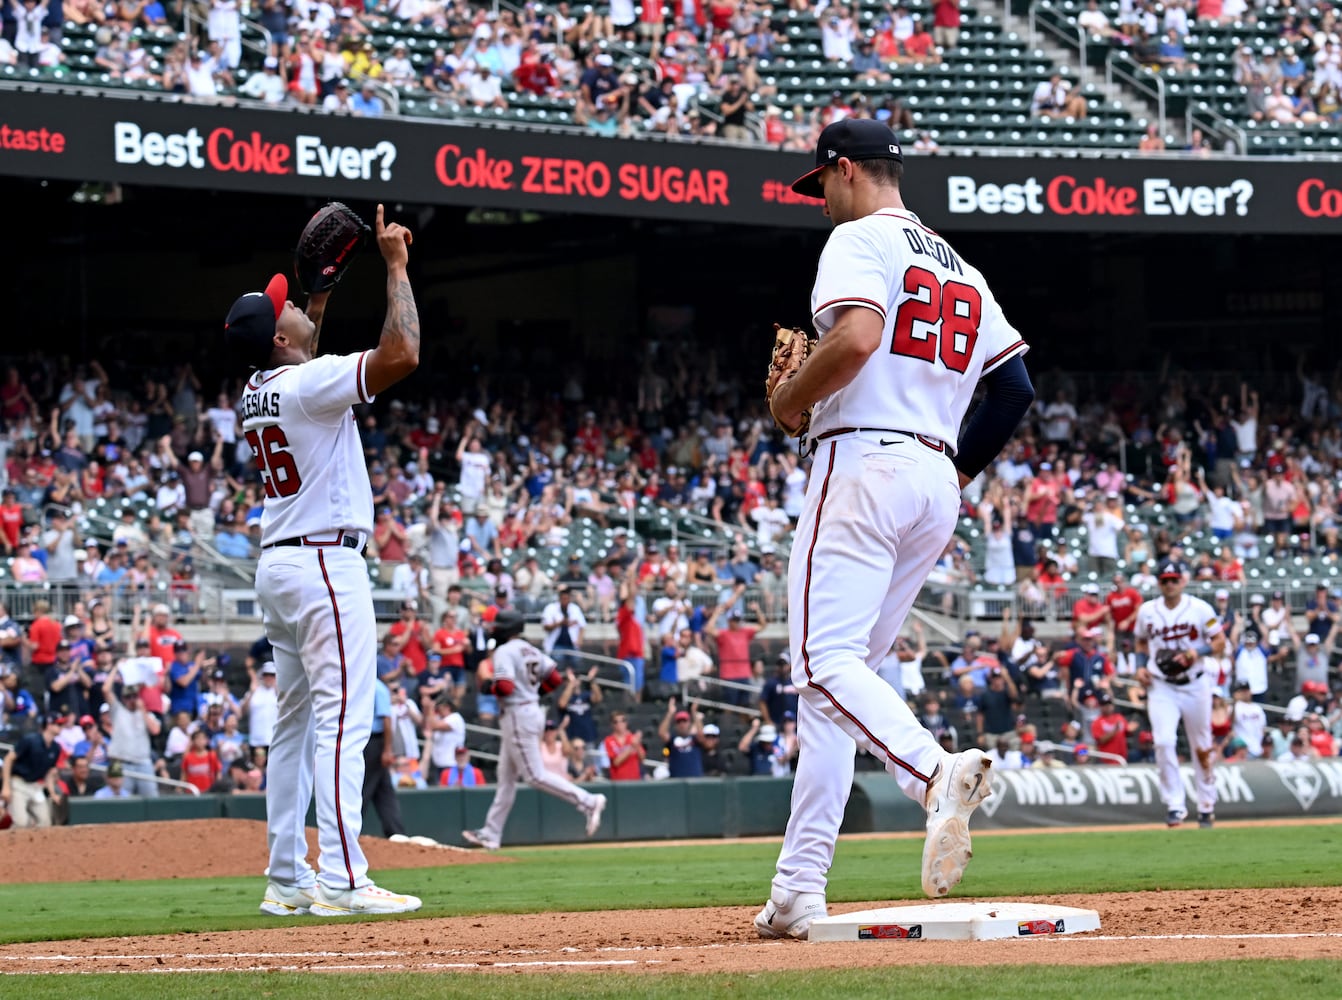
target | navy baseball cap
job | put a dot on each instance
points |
(855, 138)
(250, 326)
(1171, 570)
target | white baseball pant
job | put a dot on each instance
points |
(520, 757)
(1165, 704)
(318, 611)
(876, 519)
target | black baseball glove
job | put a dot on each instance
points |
(1174, 664)
(329, 242)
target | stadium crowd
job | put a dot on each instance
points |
(476, 497)
(1294, 77)
(700, 55)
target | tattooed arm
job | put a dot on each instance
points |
(397, 352)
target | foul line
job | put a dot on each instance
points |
(484, 964)
(1203, 937)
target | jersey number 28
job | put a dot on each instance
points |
(279, 472)
(940, 319)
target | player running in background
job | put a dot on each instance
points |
(1175, 636)
(311, 577)
(907, 330)
(522, 673)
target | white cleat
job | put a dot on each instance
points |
(789, 914)
(477, 838)
(959, 787)
(594, 815)
(286, 900)
(365, 900)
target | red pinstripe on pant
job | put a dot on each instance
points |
(806, 628)
(340, 728)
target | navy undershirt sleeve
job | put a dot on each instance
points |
(1008, 397)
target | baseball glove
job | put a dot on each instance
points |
(791, 349)
(1174, 664)
(329, 242)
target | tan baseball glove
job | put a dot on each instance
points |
(791, 348)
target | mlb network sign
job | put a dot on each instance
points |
(1103, 794)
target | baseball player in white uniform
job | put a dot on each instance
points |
(312, 580)
(907, 330)
(522, 673)
(1175, 635)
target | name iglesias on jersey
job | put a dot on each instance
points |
(260, 404)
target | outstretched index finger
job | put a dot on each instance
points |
(380, 226)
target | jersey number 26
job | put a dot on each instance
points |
(279, 472)
(940, 319)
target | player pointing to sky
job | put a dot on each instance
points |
(311, 578)
(907, 330)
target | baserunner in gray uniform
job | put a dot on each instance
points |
(522, 673)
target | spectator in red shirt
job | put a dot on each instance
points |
(1089, 611)
(1041, 501)
(734, 645)
(920, 46)
(1123, 602)
(43, 635)
(590, 440)
(1109, 730)
(449, 642)
(946, 23)
(632, 645)
(1320, 740)
(389, 537)
(163, 638)
(536, 73)
(414, 636)
(200, 764)
(11, 521)
(624, 750)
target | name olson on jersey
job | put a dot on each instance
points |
(928, 245)
(260, 404)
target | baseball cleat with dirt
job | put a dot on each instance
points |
(365, 900)
(286, 900)
(959, 787)
(789, 914)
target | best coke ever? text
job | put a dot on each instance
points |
(1066, 195)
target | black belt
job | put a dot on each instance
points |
(342, 539)
(1179, 681)
(929, 442)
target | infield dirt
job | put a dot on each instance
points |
(1160, 926)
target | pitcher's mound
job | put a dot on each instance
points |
(189, 848)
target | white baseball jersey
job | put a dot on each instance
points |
(298, 422)
(526, 666)
(943, 328)
(1188, 625)
(1250, 725)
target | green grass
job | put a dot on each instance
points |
(1299, 980)
(542, 879)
